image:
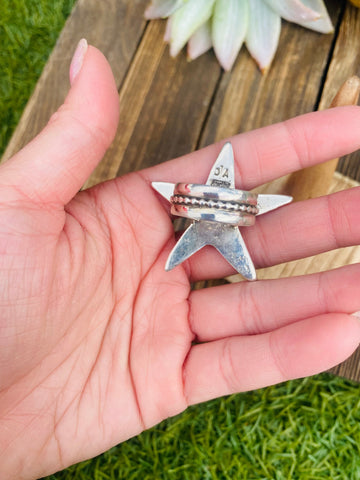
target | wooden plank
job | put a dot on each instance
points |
(246, 99)
(114, 26)
(345, 62)
(163, 103)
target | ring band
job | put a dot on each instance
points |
(214, 204)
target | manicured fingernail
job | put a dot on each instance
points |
(356, 314)
(78, 59)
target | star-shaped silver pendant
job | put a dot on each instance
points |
(217, 210)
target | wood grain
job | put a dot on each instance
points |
(315, 181)
(113, 26)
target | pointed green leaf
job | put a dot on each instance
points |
(262, 37)
(229, 27)
(200, 42)
(323, 24)
(293, 10)
(163, 8)
(167, 34)
(187, 20)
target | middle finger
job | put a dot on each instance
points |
(296, 231)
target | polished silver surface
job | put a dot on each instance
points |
(164, 188)
(217, 209)
(226, 239)
(222, 173)
(266, 203)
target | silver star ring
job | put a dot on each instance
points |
(217, 210)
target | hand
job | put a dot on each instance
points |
(96, 339)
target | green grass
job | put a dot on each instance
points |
(306, 429)
(28, 32)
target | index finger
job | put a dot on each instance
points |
(267, 153)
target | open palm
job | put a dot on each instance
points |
(97, 341)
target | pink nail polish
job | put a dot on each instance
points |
(77, 60)
(356, 314)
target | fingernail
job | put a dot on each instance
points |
(356, 314)
(78, 59)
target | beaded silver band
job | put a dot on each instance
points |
(214, 204)
(218, 204)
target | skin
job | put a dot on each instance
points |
(96, 339)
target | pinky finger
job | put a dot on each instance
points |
(237, 364)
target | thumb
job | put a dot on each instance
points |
(56, 163)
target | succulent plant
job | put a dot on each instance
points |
(226, 24)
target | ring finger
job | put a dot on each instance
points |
(249, 308)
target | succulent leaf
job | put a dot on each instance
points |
(263, 34)
(162, 8)
(200, 42)
(293, 10)
(322, 24)
(229, 27)
(187, 20)
(167, 34)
